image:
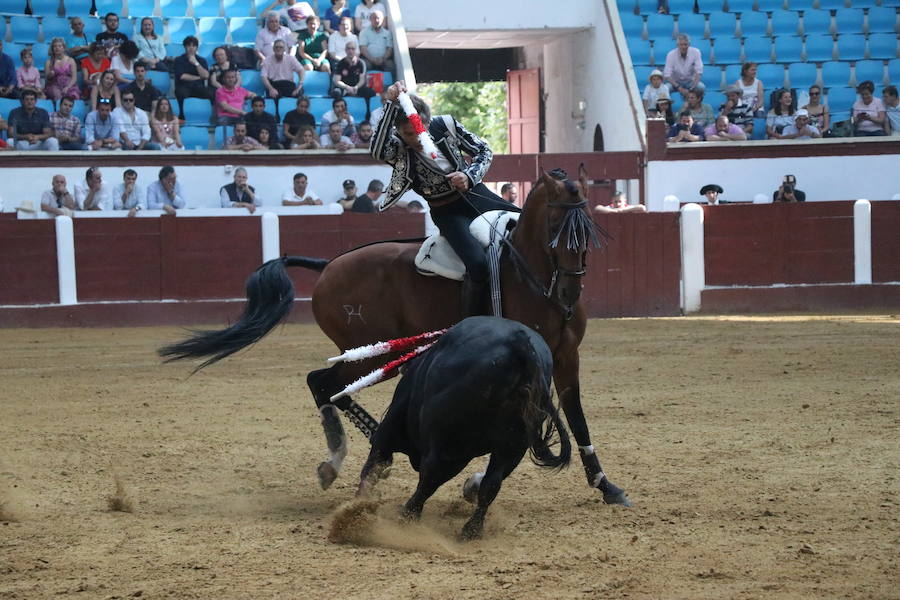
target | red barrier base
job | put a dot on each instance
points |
(807, 298)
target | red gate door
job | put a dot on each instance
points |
(523, 108)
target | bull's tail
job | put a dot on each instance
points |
(270, 296)
(544, 425)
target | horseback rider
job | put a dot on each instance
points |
(452, 187)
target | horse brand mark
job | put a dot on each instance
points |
(353, 312)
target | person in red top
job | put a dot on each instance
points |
(93, 66)
(230, 99)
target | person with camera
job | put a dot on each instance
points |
(685, 130)
(788, 191)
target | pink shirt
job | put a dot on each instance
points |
(31, 77)
(235, 98)
(732, 129)
(683, 69)
(283, 70)
(872, 109)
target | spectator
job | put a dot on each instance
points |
(376, 114)
(414, 207)
(27, 76)
(700, 110)
(364, 10)
(79, 46)
(712, 191)
(738, 112)
(781, 115)
(128, 195)
(788, 191)
(266, 37)
(92, 193)
(95, 64)
(258, 120)
(891, 109)
(112, 38)
(868, 114)
(724, 131)
(336, 14)
(230, 99)
(134, 125)
(239, 193)
(335, 140)
(801, 128)
(312, 47)
(664, 110)
(338, 40)
(685, 130)
(166, 193)
(106, 90)
(662, 7)
(7, 75)
(349, 77)
(684, 66)
(277, 73)
(190, 75)
(654, 90)
(368, 201)
(362, 138)
(221, 63)
(122, 64)
(30, 127)
(819, 116)
(267, 141)
(240, 140)
(295, 119)
(349, 198)
(151, 50)
(752, 88)
(61, 73)
(166, 131)
(338, 114)
(376, 43)
(57, 200)
(300, 194)
(66, 126)
(619, 204)
(509, 192)
(145, 94)
(292, 12)
(306, 140)
(101, 130)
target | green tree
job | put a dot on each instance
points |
(481, 107)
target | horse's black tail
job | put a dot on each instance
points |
(543, 423)
(270, 296)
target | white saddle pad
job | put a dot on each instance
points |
(437, 258)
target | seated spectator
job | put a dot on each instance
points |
(306, 140)
(662, 7)
(79, 46)
(112, 38)
(335, 140)
(7, 75)
(151, 50)
(801, 129)
(277, 73)
(190, 75)
(362, 138)
(376, 114)
(711, 191)
(619, 204)
(819, 116)
(724, 131)
(300, 194)
(61, 73)
(93, 66)
(128, 195)
(654, 90)
(258, 120)
(295, 119)
(66, 126)
(101, 130)
(338, 40)
(891, 109)
(738, 112)
(788, 191)
(364, 10)
(781, 115)
(685, 130)
(106, 89)
(27, 76)
(30, 126)
(166, 131)
(683, 69)
(91, 193)
(376, 44)
(122, 64)
(701, 111)
(752, 88)
(57, 200)
(221, 62)
(267, 141)
(239, 193)
(349, 198)
(664, 110)
(509, 192)
(339, 11)
(241, 141)
(134, 125)
(338, 114)
(292, 12)
(230, 99)
(166, 193)
(368, 201)
(868, 113)
(350, 77)
(266, 37)
(312, 47)
(145, 94)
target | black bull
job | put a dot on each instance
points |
(483, 388)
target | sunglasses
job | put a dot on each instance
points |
(815, 93)
(127, 99)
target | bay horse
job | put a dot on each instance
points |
(374, 293)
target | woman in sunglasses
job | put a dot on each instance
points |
(818, 112)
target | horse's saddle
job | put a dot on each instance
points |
(437, 258)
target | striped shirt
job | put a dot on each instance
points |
(68, 127)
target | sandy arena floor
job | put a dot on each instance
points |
(762, 455)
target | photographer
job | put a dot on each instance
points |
(685, 130)
(788, 191)
(239, 194)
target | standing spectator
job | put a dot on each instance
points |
(376, 114)
(266, 37)
(338, 40)
(295, 119)
(128, 195)
(93, 66)
(335, 140)
(190, 75)
(92, 193)
(724, 131)
(306, 140)
(654, 90)
(258, 120)
(350, 78)
(751, 88)
(377, 44)
(30, 127)
(66, 126)
(61, 72)
(292, 12)
(166, 193)
(349, 198)
(891, 109)
(134, 125)
(122, 64)
(738, 112)
(300, 194)
(277, 73)
(241, 141)
(78, 43)
(781, 115)
(166, 131)
(145, 94)
(106, 90)
(230, 99)
(363, 136)
(368, 201)
(819, 116)
(312, 47)
(700, 110)
(362, 12)
(801, 128)
(239, 193)
(509, 192)
(27, 76)
(101, 130)
(788, 191)
(338, 12)
(685, 130)
(338, 114)
(57, 200)
(711, 191)
(868, 114)
(7, 75)
(221, 63)
(684, 66)
(112, 38)
(151, 50)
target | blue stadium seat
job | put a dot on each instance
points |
(206, 51)
(715, 99)
(92, 26)
(46, 105)
(752, 23)
(721, 24)
(835, 73)
(727, 51)
(179, 28)
(870, 70)
(759, 129)
(840, 98)
(40, 52)
(882, 19)
(24, 29)
(819, 48)
(206, 8)
(212, 30)
(251, 80)
(77, 8)
(639, 49)
(626, 7)
(851, 47)
(710, 6)
(55, 27)
(388, 78)
(660, 26)
(197, 111)
(641, 75)
(894, 70)
(818, 22)
(173, 8)
(785, 23)
(79, 109)
(661, 49)
(772, 6)
(772, 75)
(161, 81)
(195, 138)
(681, 7)
(316, 83)
(645, 7)
(788, 49)
(357, 108)
(732, 73)
(802, 75)
(632, 25)
(44, 8)
(832, 4)
(12, 7)
(318, 107)
(849, 20)
(882, 46)
(272, 106)
(105, 7)
(739, 6)
(242, 30)
(711, 78)
(705, 48)
(236, 8)
(174, 49)
(757, 50)
(693, 25)
(141, 8)
(221, 134)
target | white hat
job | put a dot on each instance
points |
(801, 113)
(655, 73)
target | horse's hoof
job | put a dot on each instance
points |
(471, 532)
(470, 490)
(327, 475)
(621, 498)
(385, 473)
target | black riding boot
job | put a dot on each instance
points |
(473, 297)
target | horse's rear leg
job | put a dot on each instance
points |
(321, 383)
(499, 468)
